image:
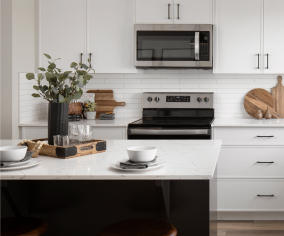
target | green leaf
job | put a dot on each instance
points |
(40, 76)
(52, 66)
(30, 76)
(41, 69)
(84, 66)
(36, 87)
(61, 98)
(73, 65)
(47, 56)
(35, 95)
(55, 90)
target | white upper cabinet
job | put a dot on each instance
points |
(174, 11)
(154, 11)
(110, 35)
(193, 11)
(238, 36)
(62, 30)
(273, 36)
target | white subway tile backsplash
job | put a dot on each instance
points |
(228, 99)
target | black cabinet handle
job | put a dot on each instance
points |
(81, 59)
(169, 11)
(258, 61)
(264, 195)
(178, 5)
(265, 136)
(267, 61)
(265, 162)
(90, 59)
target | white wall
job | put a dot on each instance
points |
(1, 35)
(6, 72)
(23, 49)
(18, 54)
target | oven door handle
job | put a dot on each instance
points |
(140, 131)
(197, 49)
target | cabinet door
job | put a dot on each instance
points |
(111, 35)
(273, 36)
(238, 36)
(193, 11)
(62, 30)
(154, 11)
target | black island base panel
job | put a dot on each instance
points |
(86, 207)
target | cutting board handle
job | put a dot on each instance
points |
(279, 78)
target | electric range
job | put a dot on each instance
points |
(174, 116)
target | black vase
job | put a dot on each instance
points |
(57, 120)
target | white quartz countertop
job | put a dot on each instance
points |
(120, 122)
(233, 122)
(184, 160)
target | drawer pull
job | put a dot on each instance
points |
(265, 136)
(263, 195)
(265, 162)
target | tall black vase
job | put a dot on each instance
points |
(57, 120)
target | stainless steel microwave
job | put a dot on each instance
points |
(173, 46)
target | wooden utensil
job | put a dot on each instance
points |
(259, 99)
(105, 102)
(278, 97)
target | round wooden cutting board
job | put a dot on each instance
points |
(259, 100)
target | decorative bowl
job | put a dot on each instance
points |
(12, 153)
(142, 153)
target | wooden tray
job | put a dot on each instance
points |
(90, 147)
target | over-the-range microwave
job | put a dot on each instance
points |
(173, 46)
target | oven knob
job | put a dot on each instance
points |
(199, 99)
(149, 99)
(157, 99)
(206, 99)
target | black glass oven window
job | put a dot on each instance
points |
(171, 46)
(204, 46)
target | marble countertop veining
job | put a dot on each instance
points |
(184, 160)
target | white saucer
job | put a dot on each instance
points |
(30, 164)
(154, 167)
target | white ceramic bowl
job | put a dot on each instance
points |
(142, 153)
(12, 153)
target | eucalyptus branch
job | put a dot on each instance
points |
(63, 86)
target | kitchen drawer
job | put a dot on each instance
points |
(250, 136)
(250, 195)
(251, 162)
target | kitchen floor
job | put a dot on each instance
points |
(251, 228)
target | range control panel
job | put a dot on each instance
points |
(178, 100)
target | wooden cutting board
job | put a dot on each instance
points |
(105, 102)
(259, 100)
(278, 97)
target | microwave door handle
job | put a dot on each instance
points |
(197, 49)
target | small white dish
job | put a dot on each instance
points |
(154, 167)
(12, 153)
(30, 164)
(142, 153)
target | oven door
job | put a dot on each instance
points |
(173, 46)
(168, 133)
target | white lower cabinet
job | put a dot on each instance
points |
(28, 132)
(250, 173)
(250, 195)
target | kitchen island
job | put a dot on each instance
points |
(184, 190)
